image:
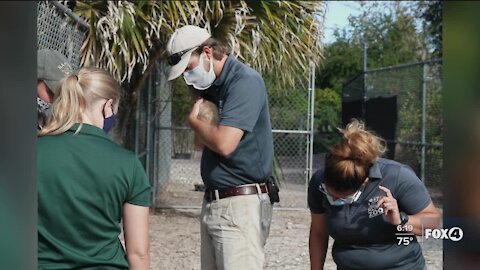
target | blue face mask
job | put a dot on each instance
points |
(108, 123)
(340, 201)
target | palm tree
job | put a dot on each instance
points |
(282, 37)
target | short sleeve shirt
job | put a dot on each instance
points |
(363, 238)
(84, 180)
(241, 97)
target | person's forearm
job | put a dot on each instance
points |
(198, 143)
(318, 251)
(138, 262)
(206, 134)
(423, 221)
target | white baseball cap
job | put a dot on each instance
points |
(181, 45)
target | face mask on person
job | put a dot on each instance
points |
(198, 77)
(108, 122)
(42, 105)
(340, 201)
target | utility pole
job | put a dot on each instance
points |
(364, 90)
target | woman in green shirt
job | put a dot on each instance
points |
(87, 184)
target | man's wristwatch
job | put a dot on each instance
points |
(403, 218)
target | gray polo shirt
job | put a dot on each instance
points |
(241, 97)
(365, 241)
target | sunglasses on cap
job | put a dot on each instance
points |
(176, 57)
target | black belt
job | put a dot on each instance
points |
(234, 191)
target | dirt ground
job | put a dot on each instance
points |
(175, 234)
(175, 241)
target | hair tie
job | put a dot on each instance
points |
(354, 158)
(355, 171)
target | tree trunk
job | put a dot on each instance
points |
(123, 133)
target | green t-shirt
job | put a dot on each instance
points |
(84, 180)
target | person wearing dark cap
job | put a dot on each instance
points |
(372, 207)
(238, 150)
(52, 67)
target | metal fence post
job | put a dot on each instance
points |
(165, 131)
(149, 130)
(397, 81)
(424, 120)
(137, 123)
(312, 125)
(155, 140)
(364, 88)
(292, 118)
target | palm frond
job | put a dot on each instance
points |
(282, 37)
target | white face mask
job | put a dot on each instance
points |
(198, 77)
(340, 201)
(43, 106)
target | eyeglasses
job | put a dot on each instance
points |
(340, 201)
(176, 57)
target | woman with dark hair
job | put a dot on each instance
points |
(364, 202)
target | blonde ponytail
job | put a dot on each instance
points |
(76, 94)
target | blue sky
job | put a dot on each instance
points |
(337, 16)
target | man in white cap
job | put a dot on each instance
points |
(52, 67)
(238, 151)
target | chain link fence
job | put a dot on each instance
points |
(402, 104)
(291, 112)
(164, 142)
(61, 30)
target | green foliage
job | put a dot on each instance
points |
(389, 31)
(432, 12)
(181, 102)
(128, 38)
(342, 61)
(288, 105)
(327, 110)
(393, 36)
(273, 36)
(328, 104)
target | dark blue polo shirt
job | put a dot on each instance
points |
(364, 241)
(241, 97)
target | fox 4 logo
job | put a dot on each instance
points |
(454, 234)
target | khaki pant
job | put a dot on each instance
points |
(232, 234)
